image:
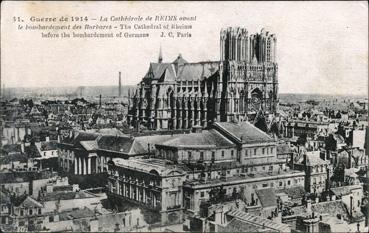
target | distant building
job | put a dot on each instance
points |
(180, 95)
(68, 200)
(28, 215)
(84, 153)
(25, 182)
(7, 219)
(317, 172)
(238, 221)
(16, 162)
(13, 133)
(297, 128)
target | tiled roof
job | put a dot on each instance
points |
(197, 71)
(5, 149)
(283, 149)
(180, 60)
(141, 143)
(45, 146)
(345, 190)
(153, 166)
(336, 225)
(267, 197)
(237, 225)
(206, 138)
(185, 71)
(89, 145)
(79, 136)
(244, 132)
(330, 207)
(299, 210)
(29, 202)
(157, 69)
(293, 192)
(258, 221)
(66, 196)
(242, 178)
(121, 144)
(169, 75)
(76, 214)
(107, 131)
(17, 157)
(313, 160)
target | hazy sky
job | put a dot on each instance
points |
(322, 46)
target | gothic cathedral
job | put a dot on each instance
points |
(181, 95)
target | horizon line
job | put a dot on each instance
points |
(71, 86)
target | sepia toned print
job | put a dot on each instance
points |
(184, 116)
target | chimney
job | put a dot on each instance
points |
(22, 147)
(120, 85)
(197, 129)
(292, 160)
(350, 158)
(328, 182)
(160, 59)
(100, 101)
(219, 216)
(351, 198)
(308, 206)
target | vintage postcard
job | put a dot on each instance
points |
(184, 116)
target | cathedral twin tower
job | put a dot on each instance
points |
(182, 95)
(237, 45)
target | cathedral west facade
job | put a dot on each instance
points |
(181, 95)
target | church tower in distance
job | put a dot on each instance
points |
(242, 86)
(249, 74)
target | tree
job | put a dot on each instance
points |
(217, 194)
(275, 129)
(312, 102)
(260, 123)
(302, 140)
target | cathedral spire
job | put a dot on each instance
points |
(212, 90)
(160, 59)
(206, 91)
(199, 89)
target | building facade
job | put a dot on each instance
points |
(237, 159)
(180, 95)
(150, 183)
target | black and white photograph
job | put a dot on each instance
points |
(184, 116)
